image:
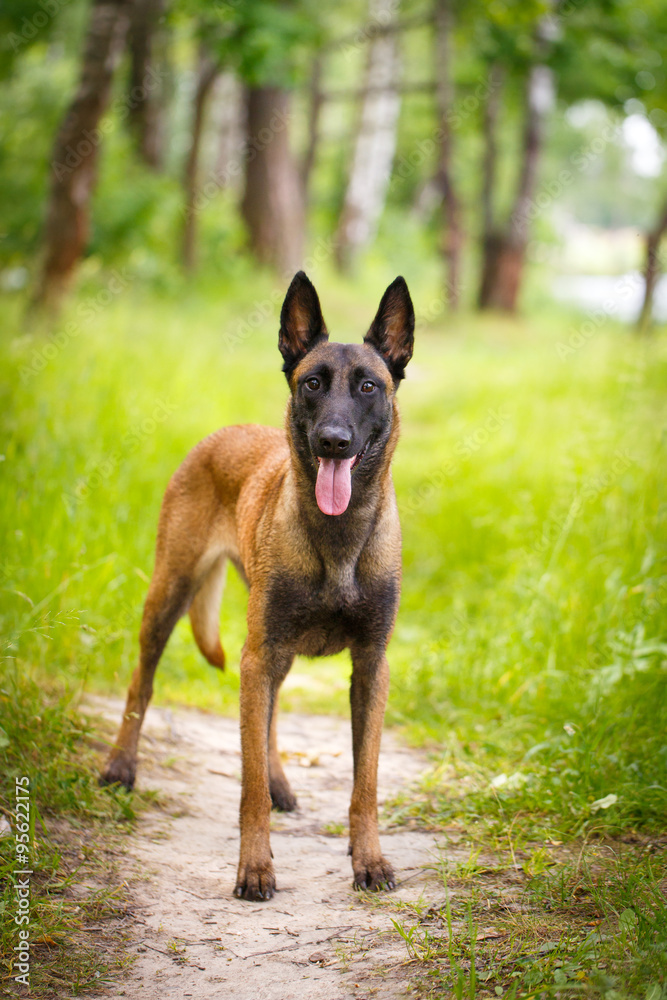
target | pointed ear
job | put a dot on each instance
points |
(301, 322)
(392, 330)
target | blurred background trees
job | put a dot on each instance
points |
(515, 144)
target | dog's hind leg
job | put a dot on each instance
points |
(167, 600)
(205, 613)
(282, 796)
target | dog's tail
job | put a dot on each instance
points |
(205, 614)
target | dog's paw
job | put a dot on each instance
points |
(282, 796)
(119, 770)
(374, 875)
(255, 882)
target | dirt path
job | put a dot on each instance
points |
(317, 938)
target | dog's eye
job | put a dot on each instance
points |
(367, 386)
(313, 384)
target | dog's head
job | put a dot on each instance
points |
(343, 394)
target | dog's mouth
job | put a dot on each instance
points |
(333, 488)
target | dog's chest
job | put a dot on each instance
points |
(339, 586)
(321, 616)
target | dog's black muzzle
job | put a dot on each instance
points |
(333, 440)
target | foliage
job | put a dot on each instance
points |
(266, 43)
(138, 211)
(28, 23)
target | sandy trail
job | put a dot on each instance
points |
(317, 938)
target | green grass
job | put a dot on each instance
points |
(530, 652)
(542, 923)
(536, 592)
(70, 841)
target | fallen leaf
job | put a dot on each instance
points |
(605, 803)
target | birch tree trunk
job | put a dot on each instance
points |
(652, 271)
(375, 142)
(452, 231)
(76, 151)
(146, 97)
(272, 204)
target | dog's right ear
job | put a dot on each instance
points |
(392, 330)
(301, 322)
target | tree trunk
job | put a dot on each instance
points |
(490, 131)
(76, 150)
(375, 142)
(490, 238)
(207, 72)
(652, 271)
(452, 229)
(146, 96)
(316, 99)
(272, 204)
(504, 260)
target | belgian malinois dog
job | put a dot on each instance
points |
(308, 517)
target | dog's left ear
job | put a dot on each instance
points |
(301, 322)
(392, 330)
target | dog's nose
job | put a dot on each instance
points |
(334, 441)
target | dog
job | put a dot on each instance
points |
(308, 517)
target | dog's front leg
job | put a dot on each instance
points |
(368, 697)
(261, 675)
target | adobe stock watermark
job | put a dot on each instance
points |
(85, 311)
(30, 26)
(595, 318)
(579, 161)
(654, 600)
(382, 14)
(74, 155)
(556, 529)
(552, 21)
(268, 307)
(245, 153)
(95, 641)
(465, 448)
(105, 467)
(429, 312)
(22, 873)
(425, 150)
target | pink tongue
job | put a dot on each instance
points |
(334, 485)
